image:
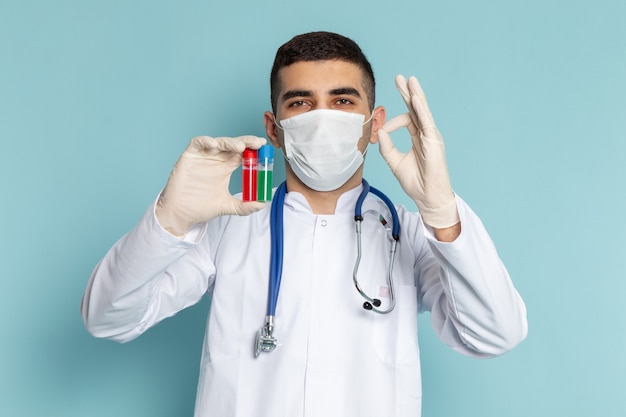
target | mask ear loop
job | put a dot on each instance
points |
(276, 123)
(370, 119)
(367, 145)
(282, 150)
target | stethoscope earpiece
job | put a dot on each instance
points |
(368, 306)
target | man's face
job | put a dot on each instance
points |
(313, 85)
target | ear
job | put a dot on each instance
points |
(270, 129)
(378, 120)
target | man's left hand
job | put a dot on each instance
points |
(422, 172)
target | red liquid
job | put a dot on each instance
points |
(249, 179)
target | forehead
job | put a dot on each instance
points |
(320, 76)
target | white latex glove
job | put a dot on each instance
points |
(422, 172)
(197, 189)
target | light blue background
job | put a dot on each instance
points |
(98, 99)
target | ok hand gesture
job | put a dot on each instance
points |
(422, 172)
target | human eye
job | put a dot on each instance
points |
(297, 103)
(344, 102)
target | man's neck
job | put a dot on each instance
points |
(322, 202)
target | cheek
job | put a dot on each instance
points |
(365, 140)
(368, 136)
(278, 139)
(274, 134)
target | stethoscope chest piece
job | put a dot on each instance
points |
(265, 340)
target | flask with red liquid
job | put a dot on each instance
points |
(249, 175)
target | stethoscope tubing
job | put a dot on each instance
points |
(265, 340)
(277, 245)
(277, 248)
(395, 227)
(372, 304)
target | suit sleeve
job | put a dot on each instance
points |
(474, 306)
(146, 276)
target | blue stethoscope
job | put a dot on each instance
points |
(265, 340)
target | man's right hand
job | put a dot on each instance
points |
(197, 189)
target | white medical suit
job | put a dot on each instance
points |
(335, 358)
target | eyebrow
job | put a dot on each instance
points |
(341, 91)
(345, 91)
(296, 93)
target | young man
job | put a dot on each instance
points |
(334, 358)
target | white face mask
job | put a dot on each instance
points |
(321, 146)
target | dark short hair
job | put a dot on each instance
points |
(321, 46)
